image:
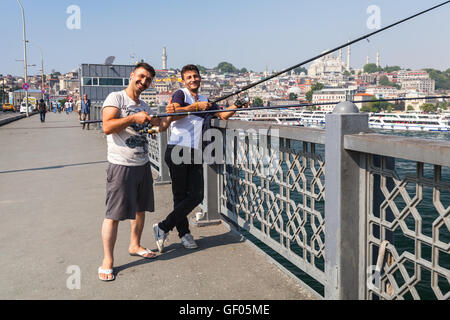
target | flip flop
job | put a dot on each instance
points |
(146, 251)
(105, 271)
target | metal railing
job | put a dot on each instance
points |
(338, 203)
(332, 202)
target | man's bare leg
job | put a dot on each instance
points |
(137, 226)
(109, 236)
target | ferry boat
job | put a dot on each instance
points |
(386, 121)
(279, 116)
(410, 121)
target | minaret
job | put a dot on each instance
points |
(340, 55)
(164, 59)
(367, 59)
(348, 58)
(378, 59)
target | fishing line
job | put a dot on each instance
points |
(327, 52)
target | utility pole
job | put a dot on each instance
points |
(24, 56)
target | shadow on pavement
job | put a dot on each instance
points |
(54, 167)
(176, 250)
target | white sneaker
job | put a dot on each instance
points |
(188, 241)
(160, 237)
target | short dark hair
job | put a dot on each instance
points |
(147, 67)
(189, 67)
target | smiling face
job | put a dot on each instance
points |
(192, 80)
(140, 80)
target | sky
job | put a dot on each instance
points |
(254, 34)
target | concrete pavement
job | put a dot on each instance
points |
(52, 194)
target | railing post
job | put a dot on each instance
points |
(342, 203)
(164, 177)
(210, 210)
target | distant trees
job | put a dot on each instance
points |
(300, 70)
(378, 106)
(315, 87)
(292, 96)
(442, 78)
(384, 81)
(257, 102)
(428, 107)
(371, 68)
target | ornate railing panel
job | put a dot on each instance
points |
(274, 188)
(412, 224)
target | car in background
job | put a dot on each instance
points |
(23, 108)
(9, 107)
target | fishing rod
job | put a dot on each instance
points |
(300, 105)
(327, 52)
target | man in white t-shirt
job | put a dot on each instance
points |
(186, 140)
(129, 186)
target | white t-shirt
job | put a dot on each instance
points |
(127, 147)
(187, 131)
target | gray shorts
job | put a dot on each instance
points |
(128, 190)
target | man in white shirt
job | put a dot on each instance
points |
(129, 187)
(186, 140)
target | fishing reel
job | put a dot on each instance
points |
(149, 130)
(241, 102)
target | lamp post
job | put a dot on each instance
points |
(24, 55)
(42, 69)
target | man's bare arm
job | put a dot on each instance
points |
(112, 122)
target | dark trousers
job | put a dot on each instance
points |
(187, 190)
(42, 114)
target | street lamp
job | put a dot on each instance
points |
(42, 69)
(24, 54)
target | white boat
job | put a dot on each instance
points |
(410, 121)
(279, 116)
(386, 121)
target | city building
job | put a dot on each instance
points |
(362, 96)
(333, 95)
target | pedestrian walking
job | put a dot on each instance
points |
(85, 110)
(42, 108)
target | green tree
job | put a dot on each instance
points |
(442, 79)
(368, 108)
(443, 105)
(202, 69)
(384, 81)
(292, 96)
(258, 102)
(410, 108)
(428, 107)
(309, 95)
(371, 68)
(391, 69)
(226, 67)
(317, 86)
(300, 70)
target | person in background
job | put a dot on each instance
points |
(78, 105)
(42, 108)
(85, 110)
